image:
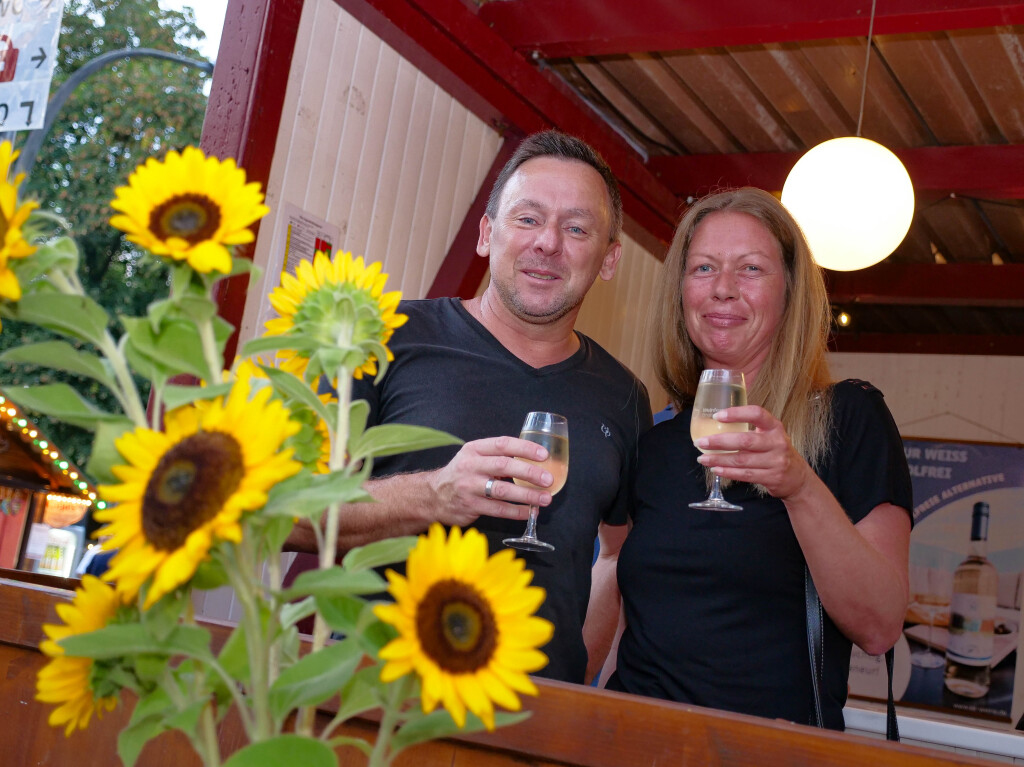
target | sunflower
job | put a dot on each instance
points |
(337, 302)
(65, 680)
(187, 487)
(12, 218)
(189, 208)
(465, 624)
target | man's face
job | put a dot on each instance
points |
(550, 238)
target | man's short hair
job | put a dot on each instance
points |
(552, 143)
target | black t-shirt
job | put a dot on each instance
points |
(450, 373)
(714, 600)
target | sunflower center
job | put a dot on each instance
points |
(456, 627)
(189, 486)
(192, 217)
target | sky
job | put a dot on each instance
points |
(209, 18)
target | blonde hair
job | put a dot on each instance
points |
(793, 383)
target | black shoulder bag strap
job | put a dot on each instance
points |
(815, 642)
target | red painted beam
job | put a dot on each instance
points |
(564, 28)
(930, 285)
(451, 38)
(994, 171)
(244, 110)
(920, 343)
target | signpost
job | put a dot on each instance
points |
(29, 30)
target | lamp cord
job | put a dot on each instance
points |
(867, 63)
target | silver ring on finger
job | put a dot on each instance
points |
(488, 488)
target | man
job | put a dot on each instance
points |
(475, 368)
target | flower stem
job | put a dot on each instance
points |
(208, 732)
(255, 640)
(329, 546)
(126, 393)
(396, 695)
(214, 359)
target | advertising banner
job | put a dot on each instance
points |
(962, 631)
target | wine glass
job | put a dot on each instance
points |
(717, 390)
(551, 431)
(932, 602)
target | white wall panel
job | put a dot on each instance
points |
(955, 397)
(374, 147)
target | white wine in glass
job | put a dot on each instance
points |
(551, 431)
(717, 390)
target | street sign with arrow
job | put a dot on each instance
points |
(29, 31)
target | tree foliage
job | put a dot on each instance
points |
(116, 118)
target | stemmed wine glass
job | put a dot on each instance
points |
(932, 602)
(552, 432)
(717, 390)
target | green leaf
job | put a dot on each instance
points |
(361, 693)
(243, 266)
(210, 574)
(393, 438)
(104, 454)
(162, 618)
(309, 494)
(176, 396)
(274, 343)
(334, 582)
(60, 355)
(63, 403)
(341, 613)
(358, 412)
(440, 724)
(315, 678)
(155, 703)
(175, 349)
(284, 751)
(61, 253)
(234, 655)
(122, 640)
(293, 612)
(292, 388)
(379, 553)
(132, 739)
(187, 720)
(74, 316)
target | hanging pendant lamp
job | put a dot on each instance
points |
(851, 196)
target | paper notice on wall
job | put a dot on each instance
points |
(298, 236)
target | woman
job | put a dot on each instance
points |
(713, 601)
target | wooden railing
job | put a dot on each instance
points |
(570, 725)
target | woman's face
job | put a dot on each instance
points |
(734, 291)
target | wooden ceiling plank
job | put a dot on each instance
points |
(930, 285)
(675, 105)
(565, 28)
(997, 71)
(935, 80)
(726, 91)
(888, 118)
(785, 76)
(625, 103)
(958, 232)
(1008, 220)
(994, 172)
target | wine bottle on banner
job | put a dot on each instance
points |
(972, 615)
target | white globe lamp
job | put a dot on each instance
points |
(853, 200)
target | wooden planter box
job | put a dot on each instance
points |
(570, 725)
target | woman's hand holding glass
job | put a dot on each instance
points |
(763, 455)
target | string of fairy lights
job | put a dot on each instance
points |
(13, 419)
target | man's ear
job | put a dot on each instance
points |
(611, 261)
(483, 243)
